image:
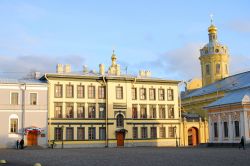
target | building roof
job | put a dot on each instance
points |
(20, 81)
(233, 82)
(241, 96)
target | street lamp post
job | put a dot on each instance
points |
(176, 141)
(62, 127)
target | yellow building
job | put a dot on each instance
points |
(91, 109)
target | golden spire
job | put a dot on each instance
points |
(212, 28)
(113, 58)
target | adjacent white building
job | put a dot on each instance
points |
(23, 112)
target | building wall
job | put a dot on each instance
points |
(28, 115)
(114, 107)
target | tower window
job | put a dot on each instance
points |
(208, 69)
(217, 68)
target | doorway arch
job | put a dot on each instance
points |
(193, 138)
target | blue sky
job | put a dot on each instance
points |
(161, 36)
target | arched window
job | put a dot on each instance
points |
(120, 121)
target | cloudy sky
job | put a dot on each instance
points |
(162, 36)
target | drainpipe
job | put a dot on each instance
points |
(106, 118)
(23, 88)
(48, 103)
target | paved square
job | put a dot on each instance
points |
(142, 156)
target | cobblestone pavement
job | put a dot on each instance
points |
(141, 156)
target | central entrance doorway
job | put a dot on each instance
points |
(32, 139)
(193, 136)
(120, 138)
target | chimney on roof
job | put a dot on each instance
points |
(37, 75)
(85, 69)
(59, 68)
(67, 68)
(101, 69)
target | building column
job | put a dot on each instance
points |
(246, 130)
(230, 128)
(210, 128)
(219, 128)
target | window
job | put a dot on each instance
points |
(208, 69)
(69, 110)
(13, 125)
(80, 110)
(69, 133)
(151, 94)
(237, 128)
(135, 132)
(119, 121)
(217, 68)
(69, 91)
(215, 130)
(162, 112)
(102, 111)
(171, 132)
(102, 133)
(33, 98)
(143, 111)
(143, 94)
(58, 91)
(91, 111)
(80, 91)
(91, 133)
(80, 133)
(153, 132)
(134, 93)
(101, 92)
(14, 98)
(161, 94)
(163, 132)
(58, 110)
(170, 111)
(144, 132)
(91, 92)
(134, 111)
(119, 92)
(152, 111)
(170, 94)
(225, 129)
(58, 133)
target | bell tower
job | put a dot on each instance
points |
(214, 58)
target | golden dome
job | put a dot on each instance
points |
(212, 29)
(113, 55)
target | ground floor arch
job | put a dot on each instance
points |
(193, 136)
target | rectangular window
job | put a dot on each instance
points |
(58, 91)
(91, 92)
(69, 133)
(58, 110)
(101, 92)
(80, 110)
(152, 111)
(80, 91)
(151, 94)
(33, 98)
(134, 111)
(170, 94)
(143, 111)
(162, 112)
(153, 132)
(225, 129)
(143, 94)
(135, 132)
(170, 111)
(91, 111)
(171, 132)
(14, 98)
(237, 128)
(134, 93)
(217, 68)
(13, 125)
(91, 133)
(144, 132)
(102, 111)
(161, 94)
(69, 110)
(119, 92)
(163, 132)
(69, 91)
(102, 133)
(215, 130)
(207, 69)
(58, 133)
(80, 133)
